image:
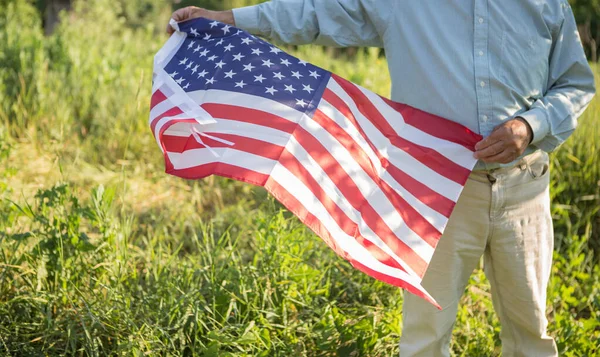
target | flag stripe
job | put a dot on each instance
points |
(428, 157)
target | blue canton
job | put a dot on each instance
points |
(218, 56)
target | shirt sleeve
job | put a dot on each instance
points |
(338, 23)
(553, 118)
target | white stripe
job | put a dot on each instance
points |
(452, 151)
(347, 243)
(435, 218)
(409, 165)
(370, 190)
(197, 157)
(233, 127)
(160, 108)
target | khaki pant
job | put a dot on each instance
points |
(503, 215)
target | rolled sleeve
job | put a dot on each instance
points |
(246, 18)
(538, 121)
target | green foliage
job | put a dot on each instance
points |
(154, 265)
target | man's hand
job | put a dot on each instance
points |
(192, 12)
(507, 142)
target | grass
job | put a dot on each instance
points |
(102, 254)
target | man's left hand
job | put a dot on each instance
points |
(506, 143)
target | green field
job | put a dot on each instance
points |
(101, 253)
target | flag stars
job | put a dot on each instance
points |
(186, 86)
(191, 44)
(259, 78)
(246, 41)
(202, 74)
(207, 36)
(314, 74)
(194, 32)
(183, 61)
(180, 80)
(214, 24)
(301, 103)
(195, 69)
(189, 65)
(230, 74)
(297, 74)
(275, 50)
(302, 62)
(210, 80)
(173, 74)
(197, 49)
(248, 67)
(307, 88)
(240, 84)
(238, 57)
(220, 64)
(226, 29)
(221, 41)
(271, 90)
(212, 58)
(256, 51)
(229, 47)
(285, 62)
(204, 53)
(267, 63)
(289, 88)
(278, 75)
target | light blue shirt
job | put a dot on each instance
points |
(476, 62)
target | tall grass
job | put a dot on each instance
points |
(102, 254)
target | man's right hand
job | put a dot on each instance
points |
(192, 12)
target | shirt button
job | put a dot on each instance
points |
(481, 53)
(485, 118)
(482, 84)
(481, 20)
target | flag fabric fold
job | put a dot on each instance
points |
(375, 179)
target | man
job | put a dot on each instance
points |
(513, 71)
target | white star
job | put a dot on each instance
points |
(183, 61)
(240, 84)
(189, 65)
(304, 63)
(228, 47)
(207, 36)
(271, 90)
(301, 103)
(195, 69)
(194, 32)
(210, 80)
(220, 64)
(296, 74)
(191, 45)
(186, 86)
(214, 23)
(256, 51)
(197, 48)
(202, 74)
(230, 74)
(173, 74)
(267, 63)
(314, 74)
(275, 50)
(246, 41)
(238, 57)
(204, 53)
(212, 58)
(308, 88)
(290, 89)
(248, 67)
(180, 80)
(239, 32)
(286, 62)
(259, 78)
(278, 75)
(221, 41)
(226, 29)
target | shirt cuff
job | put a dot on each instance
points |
(536, 118)
(246, 18)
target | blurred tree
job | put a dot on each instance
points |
(587, 13)
(51, 10)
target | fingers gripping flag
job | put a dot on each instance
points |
(375, 179)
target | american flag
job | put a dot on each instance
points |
(375, 179)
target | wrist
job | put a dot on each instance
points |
(528, 127)
(225, 17)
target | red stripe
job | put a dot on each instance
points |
(292, 204)
(413, 219)
(348, 188)
(247, 115)
(169, 113)
(427, 156)
(436, 126)
(157, 97)
(221, 169)
(421, 191)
